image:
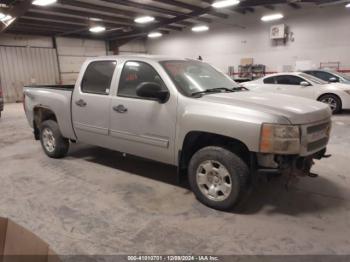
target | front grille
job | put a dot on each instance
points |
(317, 144)
(315, 137)
(313, 129)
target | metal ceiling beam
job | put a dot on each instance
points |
(39, 23)
(78, 21)
(190, 7)
(89, 14)
(106, 9)
(158, 25)
(108, 18)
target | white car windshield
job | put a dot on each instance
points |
(345, 76)
(193, 77)
(313, 79)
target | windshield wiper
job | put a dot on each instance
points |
(218, 90)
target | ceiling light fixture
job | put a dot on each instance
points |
(43, 2)
(225, 3)
(272, 17)
(144, 19)
(347, 5)
(200, 28)
(97, 29)
(155, 35)
(4, 18)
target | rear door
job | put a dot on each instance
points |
(91, 102)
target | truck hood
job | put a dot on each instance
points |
(296, 109)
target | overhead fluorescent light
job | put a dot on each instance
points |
(43, 2)
(200, 28)
(4, 18)
(144, 19)
(155, 35)
(347, 5)
(225, 3)
(272, 17)
(95, 19)
(97, 29)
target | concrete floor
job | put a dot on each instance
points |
(97, 202)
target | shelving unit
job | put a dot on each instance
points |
(251, 72)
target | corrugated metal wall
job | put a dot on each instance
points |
(21, 66)
(73, 52)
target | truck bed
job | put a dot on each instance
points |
(56, 98)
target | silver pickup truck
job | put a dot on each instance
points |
(184, 113)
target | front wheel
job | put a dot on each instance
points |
(333, 101)
(52, 141)
(218, 177)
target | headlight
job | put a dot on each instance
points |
(280, 139)
(347, 91)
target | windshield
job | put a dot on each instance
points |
(313, 79)
(345, 76)
(192, 77)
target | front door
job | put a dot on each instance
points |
(291, 85)
(142, 126)
(91, 101)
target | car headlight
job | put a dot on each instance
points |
(347, 91)
(280, 139)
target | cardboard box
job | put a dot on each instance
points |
(17, 244)
(247, 61)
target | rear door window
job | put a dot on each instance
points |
(98, 77)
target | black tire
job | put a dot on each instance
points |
(61, 144)
(236, 167)
(337, 104)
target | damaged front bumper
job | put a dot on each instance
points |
(290, 165)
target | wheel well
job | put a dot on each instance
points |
(195, 141)
(319, 98)
(42, 114)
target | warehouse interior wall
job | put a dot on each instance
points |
(318, 34)
(133, 47)
(72, 52)
(28, 60)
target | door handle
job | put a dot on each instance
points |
(81, 103)
(120, 109)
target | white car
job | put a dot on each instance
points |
(337, 95)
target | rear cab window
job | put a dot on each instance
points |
(98, 77)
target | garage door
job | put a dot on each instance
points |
(21, 66)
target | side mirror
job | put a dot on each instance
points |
(333, 80)
(305, 84)
(152, 90)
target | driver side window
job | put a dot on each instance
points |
(289, 80)
(135, 73)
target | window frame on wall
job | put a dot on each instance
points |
(118, 94)
(105, 93)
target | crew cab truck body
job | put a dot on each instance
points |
(184, 113)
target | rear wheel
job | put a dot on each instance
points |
(52, 141)
(218, 177)
(333, 101)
